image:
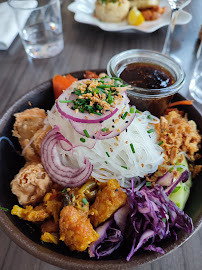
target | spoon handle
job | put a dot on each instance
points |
(170, 30)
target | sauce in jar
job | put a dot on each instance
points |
(147, 75)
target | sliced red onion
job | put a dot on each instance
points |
(66, 111)
(95, 130)
(166, 180)
(183, 177)
(63, 175)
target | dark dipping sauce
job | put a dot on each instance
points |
(147, 75)
(150, 77)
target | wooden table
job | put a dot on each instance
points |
(87, 47)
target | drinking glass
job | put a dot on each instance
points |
(40, 26)
(195, 87)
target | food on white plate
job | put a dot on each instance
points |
(118, 175)
(112, 10)
(136, 11)
(143, 4)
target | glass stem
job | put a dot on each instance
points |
(170, 30)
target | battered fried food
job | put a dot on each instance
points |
(31, 183)
(108, 200)
(27, 123)
(38, 138)
(75, 229)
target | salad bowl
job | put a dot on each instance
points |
(27, 235)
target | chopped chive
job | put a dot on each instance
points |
(150, 130)
(72, 195)
(171, 169)
(164, 220)
(148, 184)
(105, 129)
(66, 101)
(132, 110)
(116, 84)
(107, 154)
(178, 204)
(149, 117)
(124, 116)
(96, 90)
(132, 148)
(86, 133)
(106, 162)
(84, 201)
(104, 86)
(4, 209)
(64, 190)
(137, 111)
(116, 79)
(160, 143)
(179, 169)
(82, 140)
(176, 189)
(124, 167)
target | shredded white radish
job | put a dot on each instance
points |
(114, 158)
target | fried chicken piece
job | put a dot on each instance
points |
(108, 200)
(75, 229)
(50, 207)
(49, 226)
(38, 138)
(26, 124)
(50, 238)
(31, 183)
(39, 213)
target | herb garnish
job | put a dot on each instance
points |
(86, 133)
(124, 116)
(84, 201)
(132, 110)
(150, 130)
(132, 148)
(4, 209)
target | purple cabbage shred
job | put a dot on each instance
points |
(147, 218)
(153, 218)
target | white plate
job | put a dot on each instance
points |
(84, 13)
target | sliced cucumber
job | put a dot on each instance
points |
(181, 193)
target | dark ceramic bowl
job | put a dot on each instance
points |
(27, 235)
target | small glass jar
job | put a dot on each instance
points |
(154, 100)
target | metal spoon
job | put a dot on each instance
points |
(176, 6)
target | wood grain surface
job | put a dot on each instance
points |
(87, 47)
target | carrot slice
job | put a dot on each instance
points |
(182, 102)
(61, 83)
(90, 75)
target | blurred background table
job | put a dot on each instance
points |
(87, 47)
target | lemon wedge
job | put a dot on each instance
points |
(135, 17)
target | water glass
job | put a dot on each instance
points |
(40, 26)
(195, 87)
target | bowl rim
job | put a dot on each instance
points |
(66, 261)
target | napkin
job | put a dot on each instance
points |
(8, 29)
